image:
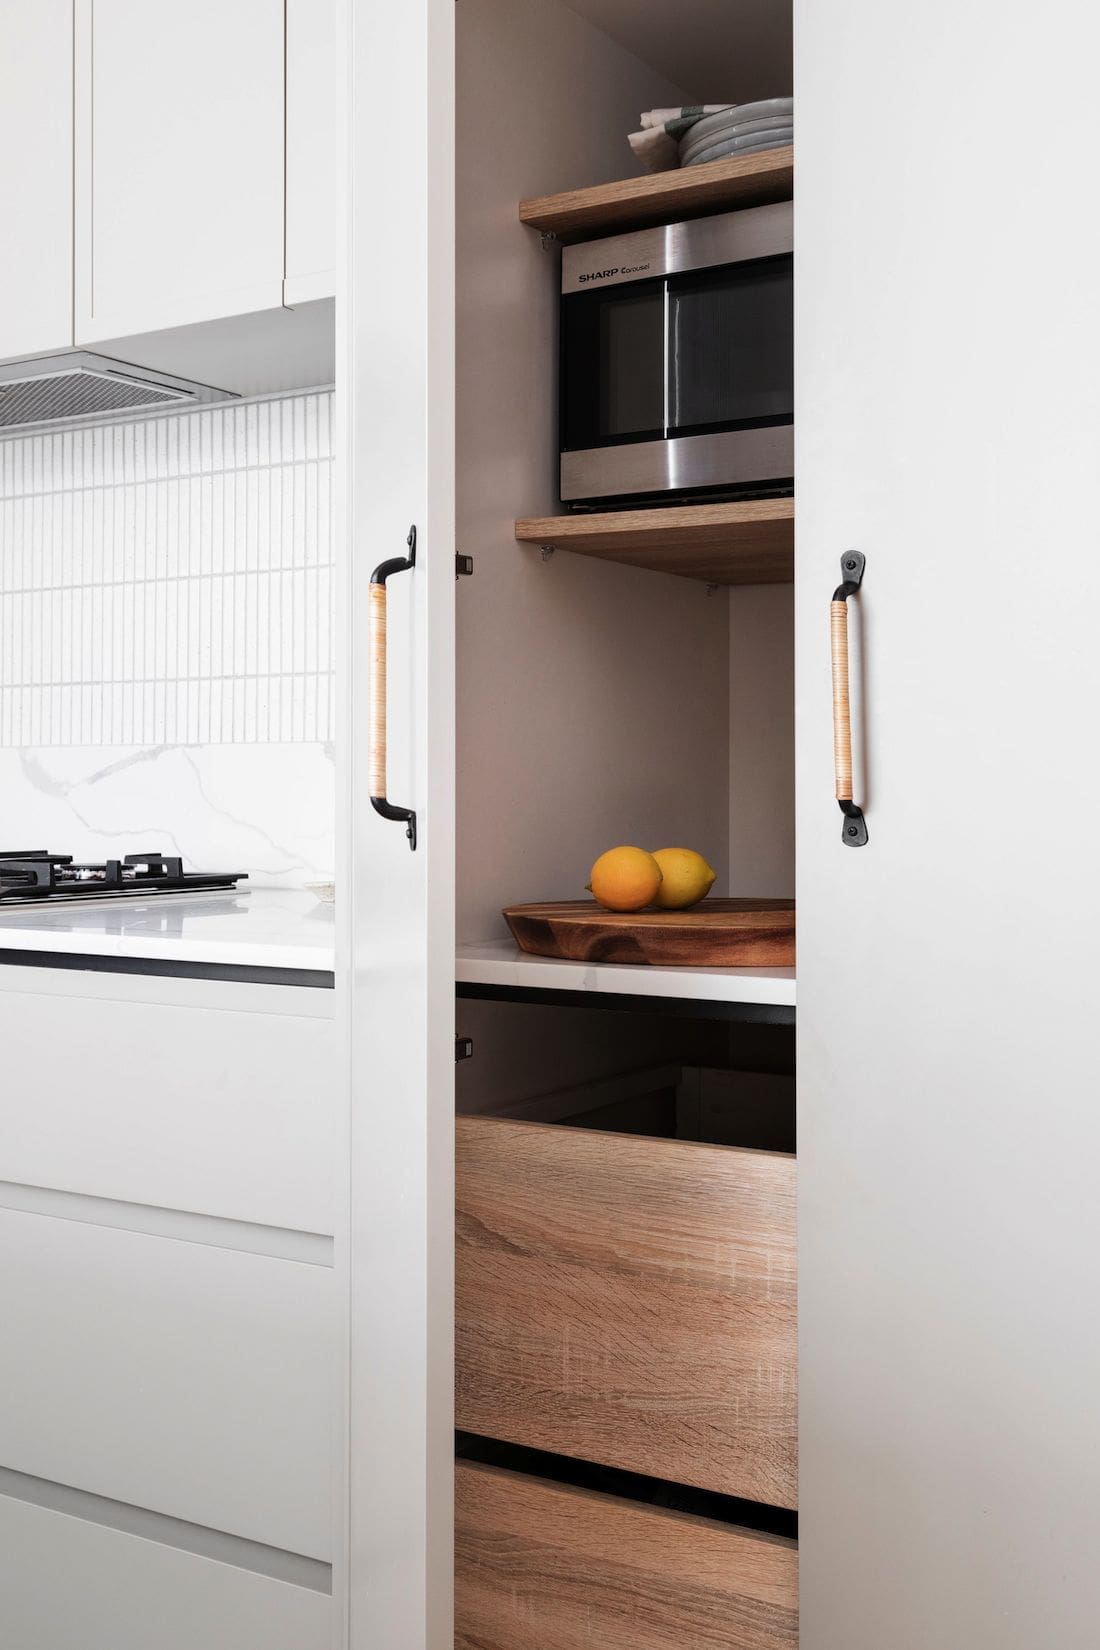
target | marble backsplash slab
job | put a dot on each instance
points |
(265, 809)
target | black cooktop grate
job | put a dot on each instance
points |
(36, 875)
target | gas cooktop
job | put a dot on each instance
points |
(37, 875)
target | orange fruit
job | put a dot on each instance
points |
(686, 878)
(625, 879)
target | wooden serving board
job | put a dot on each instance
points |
(719, 933)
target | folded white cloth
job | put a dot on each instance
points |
(657, 144)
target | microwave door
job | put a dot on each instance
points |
(730, 358)
(614, 378)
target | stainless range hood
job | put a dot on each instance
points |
(77, 385)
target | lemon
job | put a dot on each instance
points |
(686, 878)
(625, 879)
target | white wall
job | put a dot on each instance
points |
(593, 702)
(165, 638)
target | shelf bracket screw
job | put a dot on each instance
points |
(713, 589)
(546, 551)
(547, 240)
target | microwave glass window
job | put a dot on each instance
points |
(707, 351)
(613, 360)
(731, 348)
(632, 364)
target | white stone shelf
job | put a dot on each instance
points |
(502, 963)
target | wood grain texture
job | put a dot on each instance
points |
(629, 1302)
(376, 641)
(539, 1566)
(664, 197)
(719, 933)
(842, 710)
(749, 542)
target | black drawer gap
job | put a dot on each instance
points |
(630, 1486)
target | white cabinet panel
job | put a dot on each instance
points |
(214, 1112)
(66, 1583)
(948, 420)
(311, 155)
(190, 1380)
(397, 417)
(180, 162)
(36, 175)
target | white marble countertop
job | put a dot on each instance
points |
(501, 962)
(245, 928)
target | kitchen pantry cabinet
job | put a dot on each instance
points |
(947, 428)
(36, 176)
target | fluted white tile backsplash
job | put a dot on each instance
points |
(169, 580)
(166, 621)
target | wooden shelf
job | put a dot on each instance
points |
(744, 543)
(664, 197)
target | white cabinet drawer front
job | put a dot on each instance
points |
(180, 162)
(190, 1380)
(66, 1584)
(229, 1114)
(36, 176)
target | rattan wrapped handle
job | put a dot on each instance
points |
(842, 707)
(376, 757)
(852, 564)
(376, 642)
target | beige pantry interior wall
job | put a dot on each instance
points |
(761, 824)
(593, 700)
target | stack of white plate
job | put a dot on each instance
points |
(743, 130)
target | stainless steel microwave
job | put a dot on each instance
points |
(677, 362)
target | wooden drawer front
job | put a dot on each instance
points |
(539, 1565)
(221, 1111)
(68, 1583)
(630, 1302)
(178, 1377)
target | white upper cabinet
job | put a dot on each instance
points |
(311, 97)
(180, 169)
(36, 176)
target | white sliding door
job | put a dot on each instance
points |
(948, 417)
(396, 356)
